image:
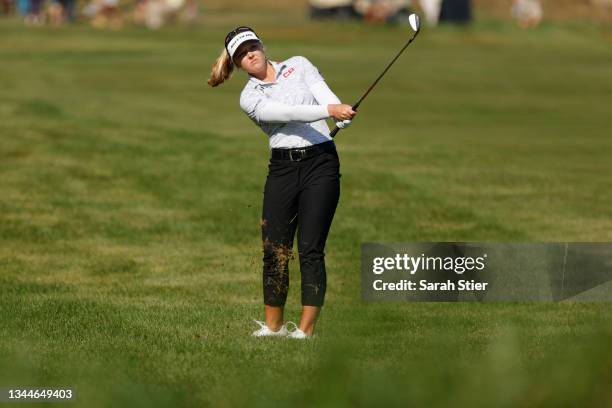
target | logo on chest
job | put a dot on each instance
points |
(288, 72)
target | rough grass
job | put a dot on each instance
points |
(130, 198)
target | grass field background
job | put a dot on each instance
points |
(130, 200)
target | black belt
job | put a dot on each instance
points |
(303, 153)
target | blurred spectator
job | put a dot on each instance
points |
(104, 13)
(155, 13)
(6, 7)
(339, 9)
(456, 11)
(431, 9)
(67, 9)
(55, 13)
(190, 12)
(24, 7)
(528, 13)
(60, 11)
(34, 14)
(384, 11)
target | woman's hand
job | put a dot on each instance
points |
(341, 111)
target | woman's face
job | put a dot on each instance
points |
(251, 57)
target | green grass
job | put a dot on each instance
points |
(130, 196)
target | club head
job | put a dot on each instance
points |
(415, 22)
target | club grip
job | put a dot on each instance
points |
(336, 128)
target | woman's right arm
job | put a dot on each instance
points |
(265, 110)
(276, 112)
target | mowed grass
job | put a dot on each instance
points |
(130, 200)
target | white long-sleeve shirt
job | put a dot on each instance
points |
(292, 109)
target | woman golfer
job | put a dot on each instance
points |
(290, 101)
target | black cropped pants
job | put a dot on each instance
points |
(299, 195)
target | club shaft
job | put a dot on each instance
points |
(356, 105)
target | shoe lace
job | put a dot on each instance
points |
(295, 327)
(260, 323)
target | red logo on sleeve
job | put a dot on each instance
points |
(289, 72)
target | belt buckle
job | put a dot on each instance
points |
(301, 156)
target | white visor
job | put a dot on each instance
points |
(240, 38)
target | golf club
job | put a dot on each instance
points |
(415, 24)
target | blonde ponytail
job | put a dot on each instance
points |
(221, 70)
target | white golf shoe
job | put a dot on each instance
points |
(265, 331)
(296, 333)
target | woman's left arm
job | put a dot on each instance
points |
(320, 90)
(323, 94)
(317, 84)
